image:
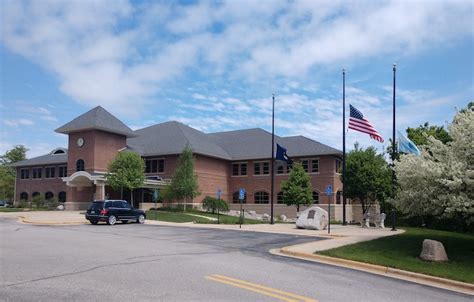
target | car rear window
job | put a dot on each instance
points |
(97, 205)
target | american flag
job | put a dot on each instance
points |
(357, 122)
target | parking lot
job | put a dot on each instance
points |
(158, 263)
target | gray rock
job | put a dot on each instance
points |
(313, 218)
(283, 218)
(60, 207)
(433, 251)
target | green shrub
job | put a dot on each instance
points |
(38, 201)
(23, 203)
(51, 204)
(212, 204)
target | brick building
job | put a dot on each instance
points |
(224, 160)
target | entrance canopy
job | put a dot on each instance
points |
(85, 179)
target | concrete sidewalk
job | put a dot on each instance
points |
(48, 217)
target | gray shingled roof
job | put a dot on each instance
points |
(47, 159)
(99, 119)
(171, 138)
(257, 144)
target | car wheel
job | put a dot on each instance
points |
(141, 219)
(124, 221)
(94, 221)
(111, 220)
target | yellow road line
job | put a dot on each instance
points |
(276, 293)
(253, 289)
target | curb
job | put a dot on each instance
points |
(24, 220)
(457, 286)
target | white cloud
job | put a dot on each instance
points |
(18, 122)
(118, 55)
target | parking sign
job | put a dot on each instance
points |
(328, 190)
(241, 193)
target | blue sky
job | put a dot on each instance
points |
(215, 65)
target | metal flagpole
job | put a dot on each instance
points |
(393, 148)
(344, 222)
(273, 160)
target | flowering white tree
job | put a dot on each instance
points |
(440, 182)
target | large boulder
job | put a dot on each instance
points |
(433, 251)
(313, 218)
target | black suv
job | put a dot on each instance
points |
(111, 211)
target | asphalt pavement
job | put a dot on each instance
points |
(164, 263)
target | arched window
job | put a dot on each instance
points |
(80, 165)
(315, 197)
(62, 196)
(235, 198)
(280, 197)
(24, 196)
(48, 195)
(261, 197)
(35, 194)
(339, 197)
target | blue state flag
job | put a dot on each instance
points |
(281, 155)
(407, 146)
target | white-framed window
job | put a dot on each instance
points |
(338, 166)
(154, 166)
(62, 171)
(314, 165)
(80, 165)
(310, 165)
(239, 169)
(24, 173)
(49, 172)
(280, 197)
(37, 173)
(261, 197)
(261, 168)
(315, 197)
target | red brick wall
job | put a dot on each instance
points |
(41, 185)
(253, 183)
(170, 165)
(106, 148)
(212, 174)
(98, 150)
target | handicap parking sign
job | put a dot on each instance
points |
(241, 193)
(328, 190)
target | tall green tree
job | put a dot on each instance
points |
(7, 173)
(368, 177)
(420, 134)
(184, 185)
(440, 182)
(127, 171)
(166, 195)
(297, 189)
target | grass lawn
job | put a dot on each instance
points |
(179, 216)
(402, 252)
(11, 209)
